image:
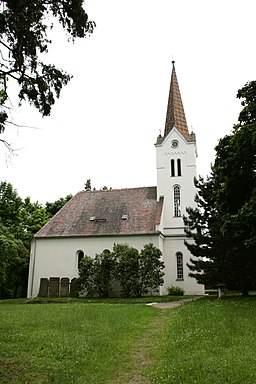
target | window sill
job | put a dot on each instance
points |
(179, 279)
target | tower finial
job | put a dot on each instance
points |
(173, 61)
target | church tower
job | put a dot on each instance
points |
(176, 169)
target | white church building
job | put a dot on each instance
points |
(96, 220)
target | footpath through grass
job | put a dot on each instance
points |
(207, 341)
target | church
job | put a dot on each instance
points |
(96, 220)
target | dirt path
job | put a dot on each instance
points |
(143, 350)
(142, 353)
(174, 304)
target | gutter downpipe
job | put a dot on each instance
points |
(32, 268)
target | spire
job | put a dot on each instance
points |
(175, 116)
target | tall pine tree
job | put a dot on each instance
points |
(223, 227)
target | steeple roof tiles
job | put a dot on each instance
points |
(175, 116)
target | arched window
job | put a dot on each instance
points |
(179, 167)
(176, 201)
(80, 256)
(179, 262)
(172, 168)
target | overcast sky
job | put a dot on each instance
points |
(105, 124)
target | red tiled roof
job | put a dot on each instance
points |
(95, 213)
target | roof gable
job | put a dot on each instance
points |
(173, 134)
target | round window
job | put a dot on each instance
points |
(175, 143)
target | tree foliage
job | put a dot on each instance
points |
(223, 226)
(19, 221)
(150, 275)
(203, 225)
(127, 268)
(96, 275)
(136, 273)
(85, 282)
(53, 208)
(13, 265)
(24, 27)
(88, 185)
(10, 207)
(248, 113)
(103, 272)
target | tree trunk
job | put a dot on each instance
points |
(245, 292)
(15, 291)
(245, 286)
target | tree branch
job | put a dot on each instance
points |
(21, 126)
(7, 145)
(5, 45)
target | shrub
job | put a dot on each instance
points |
(137, 273)
(103, 268)
(127, 268)
(85, 283)
(95, 275)
(150, 270)
(175, 291)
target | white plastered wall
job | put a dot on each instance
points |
(172, 227)
(186, 152)
(172, 245)
(57, 257)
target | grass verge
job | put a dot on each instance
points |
(208, 341)
(68, 343)
(96, 300)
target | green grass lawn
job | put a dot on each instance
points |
(78, 343)
(207, 341)
(96, 300)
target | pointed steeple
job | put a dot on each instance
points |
(175, 116)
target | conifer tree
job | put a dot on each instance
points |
(223, 227)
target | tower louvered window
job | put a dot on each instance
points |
(172, 168)
(176, 201)
(175, 167)
(179, 167)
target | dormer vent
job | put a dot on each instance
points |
(101, 220)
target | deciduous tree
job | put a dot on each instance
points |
(85, 282)
(19, 221)
(151, 267)
(103, 272)
(13, 265)
(137, 273)
(53, 208)
(10, 208)
(24, 41)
